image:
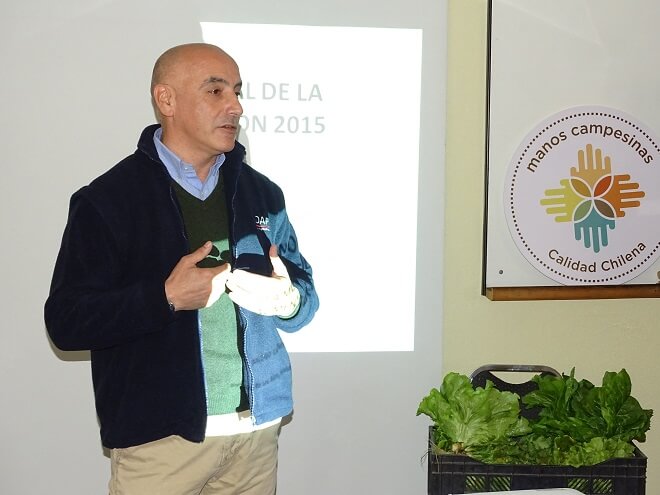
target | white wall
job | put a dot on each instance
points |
(74, 89)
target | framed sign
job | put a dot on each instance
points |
(573, 160)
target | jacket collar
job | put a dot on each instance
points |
(233, 158)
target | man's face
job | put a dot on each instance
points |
(207, 110)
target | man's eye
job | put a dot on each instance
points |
(215, 91)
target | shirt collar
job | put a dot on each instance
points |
(177, 168)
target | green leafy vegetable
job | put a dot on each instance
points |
(467, 418)
(596, 423)
(578, 423)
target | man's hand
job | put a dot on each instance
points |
(191, 287)
(268, 296)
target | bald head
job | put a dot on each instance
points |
(195, 91)
(175, 66)
(172, 63)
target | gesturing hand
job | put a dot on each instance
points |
(268, 296)
(191, 287)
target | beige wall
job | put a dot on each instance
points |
(592, 336)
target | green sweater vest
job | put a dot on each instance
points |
(219, 333)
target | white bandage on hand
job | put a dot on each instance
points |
(268, 296)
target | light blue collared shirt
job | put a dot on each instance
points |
(184, 173)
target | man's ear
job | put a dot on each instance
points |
(164, 99)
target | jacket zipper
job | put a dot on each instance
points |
(199, 325)
(244, 320)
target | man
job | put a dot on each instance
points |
(177, 268)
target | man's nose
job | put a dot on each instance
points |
(235, 107)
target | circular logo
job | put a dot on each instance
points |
(582, 197)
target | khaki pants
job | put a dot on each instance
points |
(227, 465)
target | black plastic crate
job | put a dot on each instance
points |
(458, 474)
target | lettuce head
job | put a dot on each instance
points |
(466, 419)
